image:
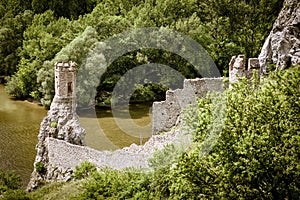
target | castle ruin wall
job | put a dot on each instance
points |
(165, 113)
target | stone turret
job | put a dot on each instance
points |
(65, 83)
(65, 80)
(61, 123)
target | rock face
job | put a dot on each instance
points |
(282, 47)
(61, 123)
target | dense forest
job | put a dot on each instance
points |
(35, 34)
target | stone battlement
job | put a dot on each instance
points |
(165, 113)
(65, 79)
(237, 68)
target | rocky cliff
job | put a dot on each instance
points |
(282, 47)
(60, 123)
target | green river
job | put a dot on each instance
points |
(19, 128)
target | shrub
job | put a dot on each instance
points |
(9, 180)
(257, 153)
(40, 168)
(53, 124)
(113, 184)
(84, 170)
(18, 194)
(10, 186)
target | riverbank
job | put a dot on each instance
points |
(20, 124)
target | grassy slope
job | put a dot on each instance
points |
(57, 191)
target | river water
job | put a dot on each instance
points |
(20, 123)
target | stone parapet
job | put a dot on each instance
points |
(237, 68)
(165, 113)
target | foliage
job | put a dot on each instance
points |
(55, 190)
(84, 170)
(257, 149)
(71, 9)
(18, 194)
(42, 40)
(40, 168)
(11, 37)
(10, 186)
(260, 138)
(9, 180)
(53, 124)
(111, 184)
(255, 156)
(31, 39)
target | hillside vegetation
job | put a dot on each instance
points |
(256, 155)
(35, 34)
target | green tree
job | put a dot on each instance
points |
(70, 9)
(224, 28)
(11, 38)
(42, 40)
(257, 154)
(16, 6)
(77, 51)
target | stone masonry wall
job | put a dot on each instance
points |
(61, 127)
(165, 113)
(63, 157)
(237, 68)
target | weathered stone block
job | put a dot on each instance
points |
(166, 113)
(236, 68)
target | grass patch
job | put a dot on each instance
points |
(56, 190)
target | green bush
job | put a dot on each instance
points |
(40, 168)
(10, 186)
(255, 157)
(18, 194)
(84, 170)
(9, 180)
(113, 184)
(165, 157)
(257, 153)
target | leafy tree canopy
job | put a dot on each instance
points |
(29, 38)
